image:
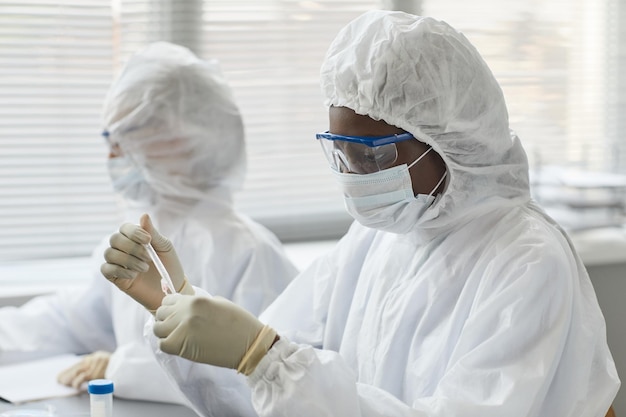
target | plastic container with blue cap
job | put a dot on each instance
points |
(100, 397)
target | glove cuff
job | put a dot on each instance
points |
(185, 288)
(257, 350)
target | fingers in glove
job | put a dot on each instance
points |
(159, 242)
(165, 316)
(80, 379)
(173, 343)
(74, 376)
(171, 299)
(98, 362)
(121, 265)
(131, 240)
(66, 376)
(164, 312)
(124, 258)
(95, 371)
(92, 366)
(163, 328)
(135, 233)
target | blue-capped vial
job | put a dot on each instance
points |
(100, 397)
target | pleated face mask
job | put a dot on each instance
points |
(384, 200)
(128, 181)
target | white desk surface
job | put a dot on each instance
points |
(78, 405)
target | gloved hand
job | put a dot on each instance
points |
(212, 330)
(129, 267)
(92, 366)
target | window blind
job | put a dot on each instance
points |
(55, 66)
(560, 63)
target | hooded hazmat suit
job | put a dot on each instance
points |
(483, 308)
(180, 134)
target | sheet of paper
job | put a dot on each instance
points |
(35, 380)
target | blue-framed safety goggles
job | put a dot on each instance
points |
(361, 154)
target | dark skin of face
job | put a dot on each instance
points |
(424, 175)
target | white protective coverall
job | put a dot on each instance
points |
(174, 117)
(483, 309)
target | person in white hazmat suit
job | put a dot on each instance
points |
(177, 152)
(453, 294)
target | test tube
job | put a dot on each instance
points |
(166, 282)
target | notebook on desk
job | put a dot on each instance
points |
(35, 379)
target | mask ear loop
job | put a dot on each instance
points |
(439, 183)
(420, 157)
(442, 177)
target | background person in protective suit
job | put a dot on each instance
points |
(177, 152)
(453, 294)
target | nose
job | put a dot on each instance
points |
(115, 151)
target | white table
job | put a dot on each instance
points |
(78, 405)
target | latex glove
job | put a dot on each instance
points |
(212, 330)
(129, 267)
(92, 366)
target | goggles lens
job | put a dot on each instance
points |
(360, 155)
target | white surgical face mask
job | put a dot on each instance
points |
(128, 181)
(384, 200)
